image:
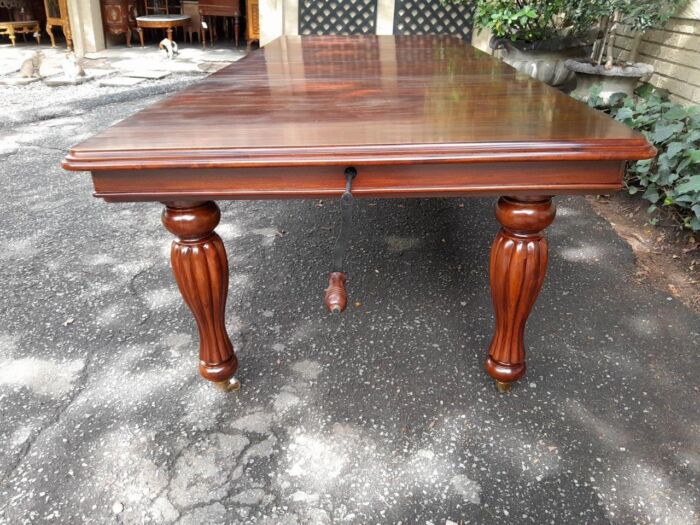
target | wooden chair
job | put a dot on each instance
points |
(57, 16)
(191, 8)
(225, 8)
(163, 7)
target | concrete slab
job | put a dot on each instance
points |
(62, 80)
(90, 74)
(99, 73)
(50, 69)
(8, 69)
(17, 81)
(121, 81)
(212, 67)
(149, 74)
(154, 60)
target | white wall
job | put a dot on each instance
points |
(86, 26)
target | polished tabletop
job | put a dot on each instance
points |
(372, 100)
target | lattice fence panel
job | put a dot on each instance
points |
(337, 17)
(432, 17)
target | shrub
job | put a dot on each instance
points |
(533, 20)
(672, 178)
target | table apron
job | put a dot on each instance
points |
(436, 180)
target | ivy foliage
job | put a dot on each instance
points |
(672, 178)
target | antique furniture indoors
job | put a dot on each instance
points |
(167, 22)
(252, 22)
(23, 11)
(57, 15)
(226, 8)
(119, 17)
(394, 116)
(28, 27)
(163, 7)
(191, 9)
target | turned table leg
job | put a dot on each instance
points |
(517, 269)
(201, 271)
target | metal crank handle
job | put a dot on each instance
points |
(336, 298)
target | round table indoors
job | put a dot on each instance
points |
(167, 22)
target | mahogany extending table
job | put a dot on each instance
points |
(415, 116)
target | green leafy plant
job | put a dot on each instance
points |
(525, 21)
(530, 20)
(671, 179)
(534, 20)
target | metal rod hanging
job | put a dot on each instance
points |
(336, 297)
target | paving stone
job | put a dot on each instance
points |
(99, 73)
(152, 75)
(62, 80)
(17, 81)
(8, 68)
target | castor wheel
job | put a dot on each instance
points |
(230, 385)
(502, 387)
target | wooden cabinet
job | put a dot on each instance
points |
(199, 10)
(191, 9)
(57, 15)
(119, 17)
(252, 22)
(226, 8)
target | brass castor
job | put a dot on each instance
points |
(231, 385)
(502, 387)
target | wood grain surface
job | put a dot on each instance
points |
(418, 101)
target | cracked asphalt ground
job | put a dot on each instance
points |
(381, 415)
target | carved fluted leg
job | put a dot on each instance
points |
(201, 271)
(518, 266)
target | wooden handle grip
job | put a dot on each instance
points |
(336, 298)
